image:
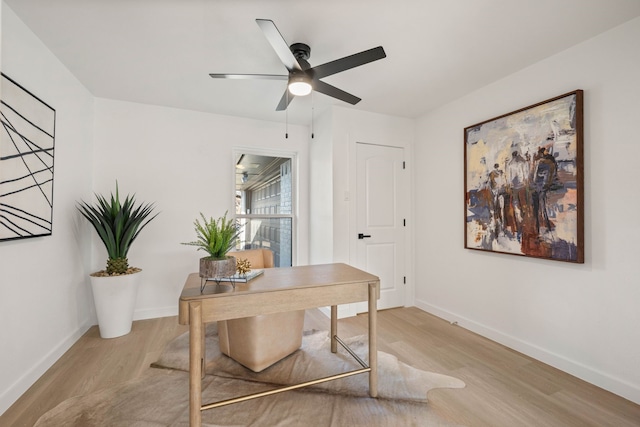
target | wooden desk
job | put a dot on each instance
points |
(277, 290)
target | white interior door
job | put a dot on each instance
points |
(380, 219)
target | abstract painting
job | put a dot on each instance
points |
(26, 163)
(523, 180)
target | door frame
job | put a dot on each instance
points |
(409, 294)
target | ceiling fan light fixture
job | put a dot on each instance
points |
(300, 85)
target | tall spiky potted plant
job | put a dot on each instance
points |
(216, 237)
(115, 288)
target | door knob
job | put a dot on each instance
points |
(362, 236)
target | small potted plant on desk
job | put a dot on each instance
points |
(115, 289)
(216, 237)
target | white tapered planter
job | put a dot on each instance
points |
(115, 299)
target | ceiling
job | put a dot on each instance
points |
(161, 51)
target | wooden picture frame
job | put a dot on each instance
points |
(524, 184)
(27, 140)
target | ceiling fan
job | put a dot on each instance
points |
(302, 78)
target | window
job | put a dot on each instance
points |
(264, 204)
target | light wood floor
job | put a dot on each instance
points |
(504, 388)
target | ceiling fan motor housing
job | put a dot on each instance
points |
(300, 51)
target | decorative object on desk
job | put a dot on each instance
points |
(115, 288)
(241, 278)
(524, 181)
(216, 237)
(158, 398)
(243, 266)
(27, 142)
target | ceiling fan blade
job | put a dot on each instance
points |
(286, 99)
(249, 76)
(279, 45)
(327, 89)
(348, 62)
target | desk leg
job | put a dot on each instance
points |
(373, 343)
(195, 364)
(334, 328)
(203, 348)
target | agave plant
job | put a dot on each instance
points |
(118, 225)
(215, 236)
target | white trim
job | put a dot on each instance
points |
(601, 379)
(258, 216)
(18, 388)
(344, 311)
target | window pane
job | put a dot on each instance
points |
(263, 185)
(270, 233)
(264, 188)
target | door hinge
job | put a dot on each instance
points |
(404, 164)
(404, 280)
(404, 222)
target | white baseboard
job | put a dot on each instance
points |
(17, 389)
(601, 379)
(154, 313)
(345, 310)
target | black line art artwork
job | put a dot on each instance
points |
(26, 163)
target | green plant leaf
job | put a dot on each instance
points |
(117, 224)
(215, 236)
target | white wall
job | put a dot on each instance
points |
(321, 191)
(182, 161)
(45, 302)
(582, 319)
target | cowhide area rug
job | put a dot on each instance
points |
(160, 396)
